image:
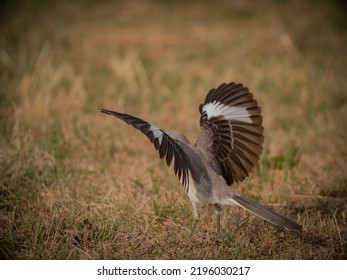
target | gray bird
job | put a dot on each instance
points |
(227, 149)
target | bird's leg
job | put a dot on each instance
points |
(194, 227)
(217, 211)
(196, 208)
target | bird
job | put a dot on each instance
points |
(227, 149)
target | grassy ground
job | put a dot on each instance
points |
(76, 184)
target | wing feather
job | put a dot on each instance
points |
(231, 130)
(163, 143)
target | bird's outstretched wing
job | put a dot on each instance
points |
(231, 131)
(162, 142)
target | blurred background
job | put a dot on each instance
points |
(76, 184)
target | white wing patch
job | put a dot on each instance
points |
(230, 113)
(157, 133)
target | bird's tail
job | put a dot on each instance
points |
(265, 213)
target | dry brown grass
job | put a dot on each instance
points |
(76, 184)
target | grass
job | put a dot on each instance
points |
(76, 184)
